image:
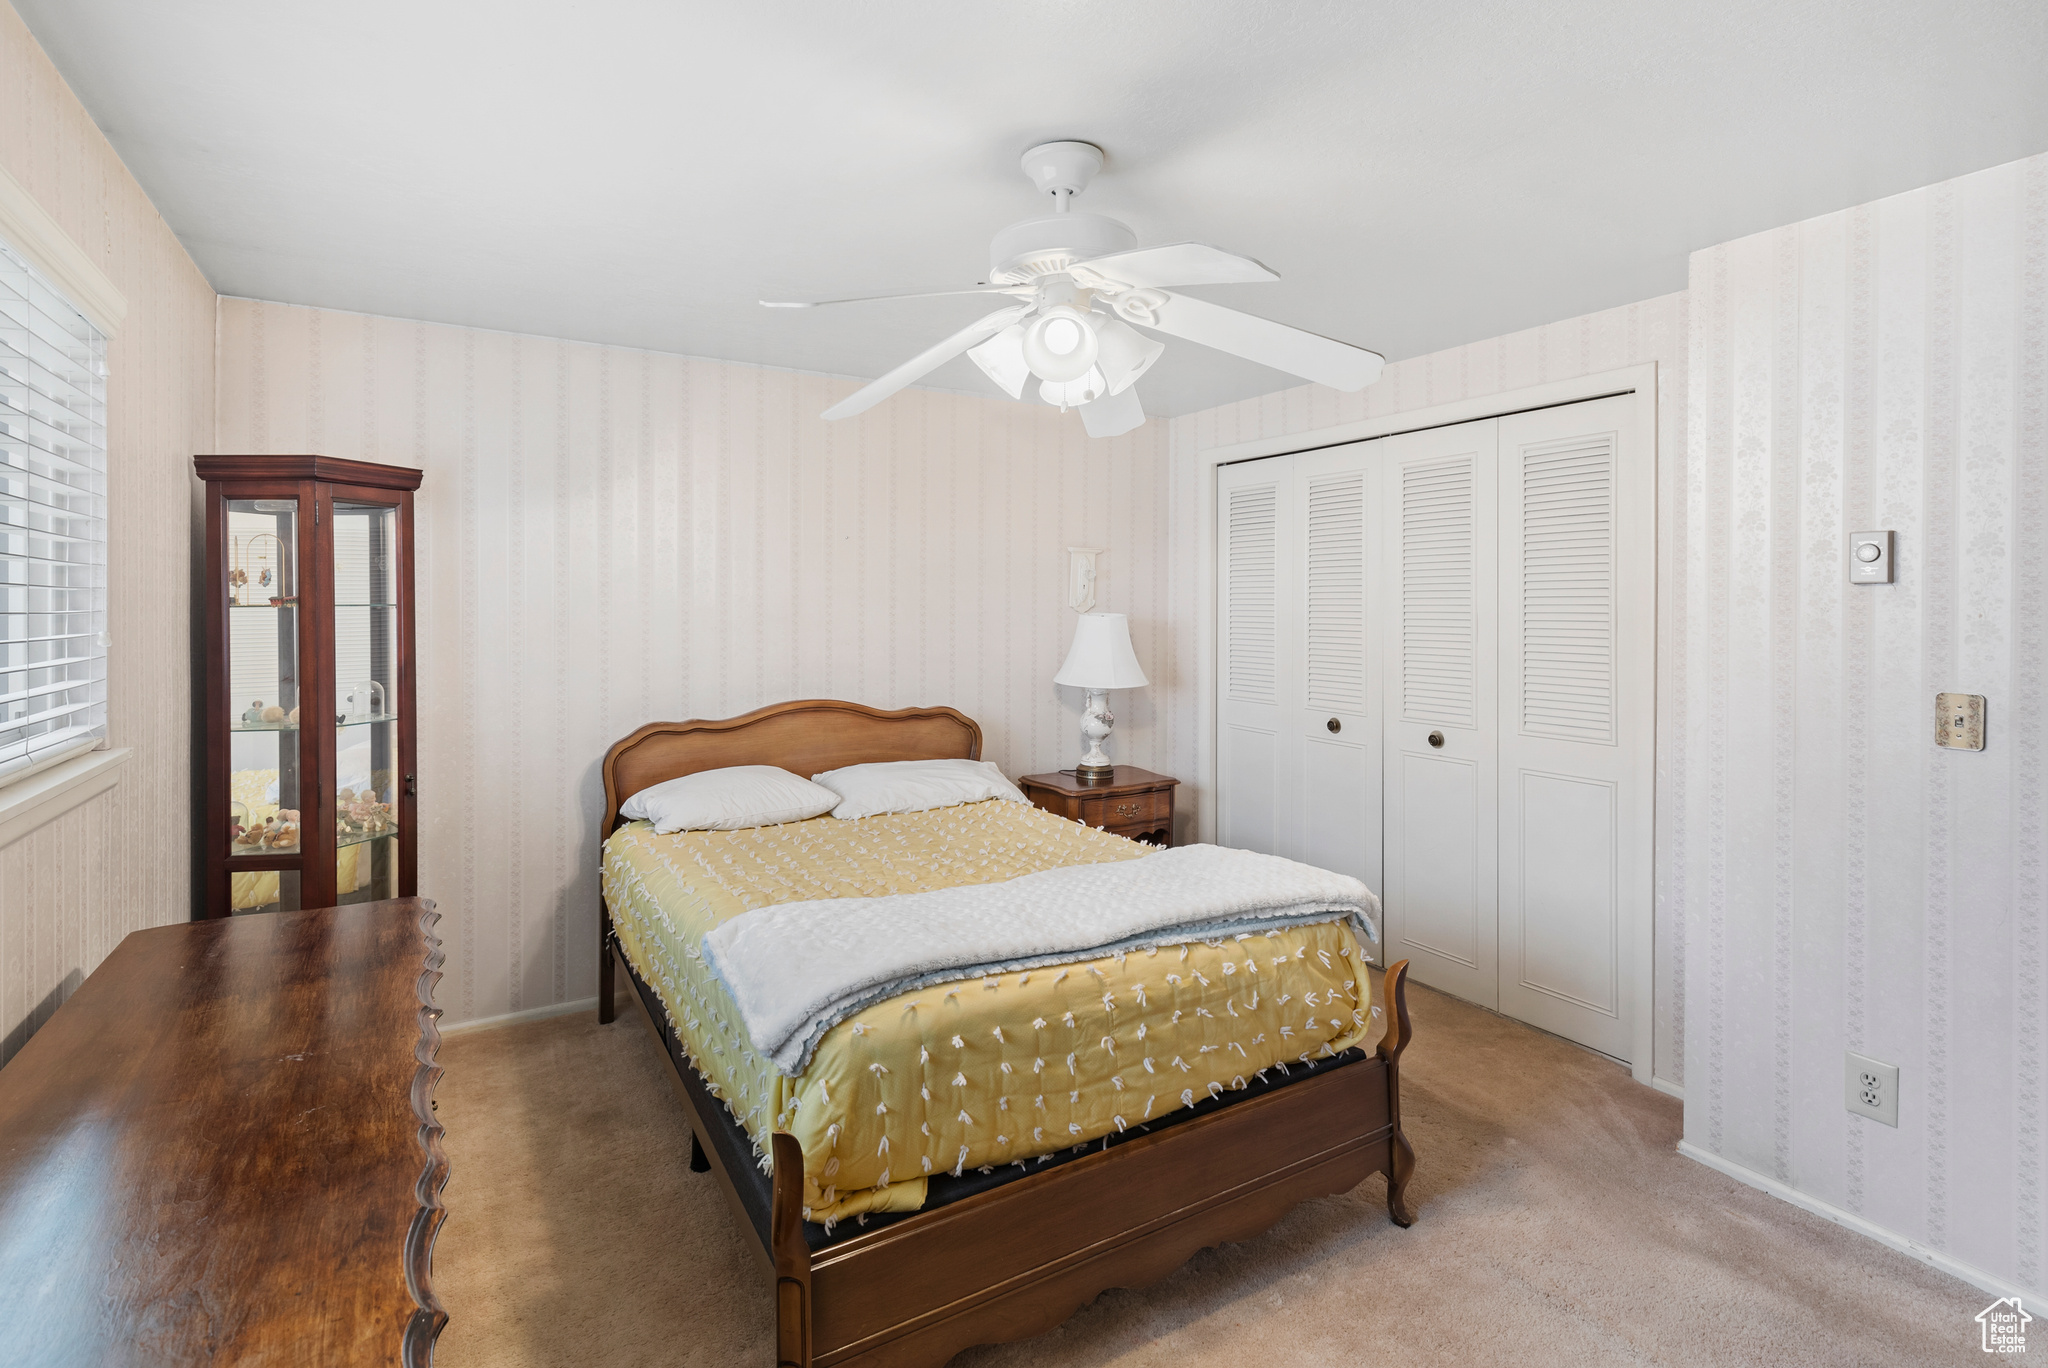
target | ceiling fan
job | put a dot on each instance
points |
(1080, 281)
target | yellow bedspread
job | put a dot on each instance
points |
(980, 1071)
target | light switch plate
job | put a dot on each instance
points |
(1874, 1089)
(1959, 721)
(1870, 558)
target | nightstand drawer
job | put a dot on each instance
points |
(1130, 809)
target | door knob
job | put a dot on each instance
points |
(1436, 739)
(1334, 725)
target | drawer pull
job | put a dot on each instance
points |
(1334, 725)
(1127, 809)
(1436, 738)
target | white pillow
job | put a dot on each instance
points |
(729, 800)
(915, 786)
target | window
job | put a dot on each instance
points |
(53, 524)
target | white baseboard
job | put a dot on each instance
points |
(553, 1009)
(1669, 1089)
(1891, 1239)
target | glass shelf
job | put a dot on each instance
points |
(238, 852)
(339, 604)
(293, 726)
(266, 607)
(344, 839)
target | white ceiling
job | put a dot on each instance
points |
(640, 172)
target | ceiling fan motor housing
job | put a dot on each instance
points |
(1041, 246)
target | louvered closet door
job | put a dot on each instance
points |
(1576, 625)
(1251, 503)
(1439, 635)
(1328, 684)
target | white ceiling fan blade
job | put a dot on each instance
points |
(1023, 292)
(1308, 355)
(1179, 263)
(926, 361)
(1113, 414)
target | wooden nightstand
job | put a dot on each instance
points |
(1136, 803)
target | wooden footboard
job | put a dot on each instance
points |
(1016, 1261)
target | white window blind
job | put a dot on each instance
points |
(53, 524)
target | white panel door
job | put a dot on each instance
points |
(1576, 635)
(1440, 652)
(1251, 503)
(1330, 687)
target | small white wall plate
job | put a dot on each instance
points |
(1870, 558)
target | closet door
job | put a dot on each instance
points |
(1441, 657)
(1576, 636)
(1331, 692)
(1251, 501)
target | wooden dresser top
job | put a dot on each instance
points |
(1128, 779)
(222, 1149)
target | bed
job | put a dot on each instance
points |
(1021, 1155)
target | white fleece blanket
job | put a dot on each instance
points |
(796, 970)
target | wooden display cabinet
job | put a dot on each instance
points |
(310, 799)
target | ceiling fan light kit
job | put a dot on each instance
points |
(1060, 343)
(1079, 281)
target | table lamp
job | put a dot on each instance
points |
(1101, 659)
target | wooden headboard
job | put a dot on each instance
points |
(806, 737)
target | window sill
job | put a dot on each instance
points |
(43, 797)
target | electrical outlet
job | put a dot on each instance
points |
(1874, 1089)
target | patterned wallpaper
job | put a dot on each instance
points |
(609, 537)
(1851, 886)
(1653, 330)
(72, 889)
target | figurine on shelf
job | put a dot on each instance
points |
(358, 813)
(256, 559)
(273, 714)
(292, 718)
(255, 713)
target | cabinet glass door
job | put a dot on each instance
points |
(366, 699)
(263, 627)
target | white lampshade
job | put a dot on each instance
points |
(1101, 657)
(1125, 353)
(1001, 358)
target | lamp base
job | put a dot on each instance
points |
(1096, 720)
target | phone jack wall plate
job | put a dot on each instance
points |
(1959, 721)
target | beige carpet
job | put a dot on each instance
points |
(1557, 1226)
